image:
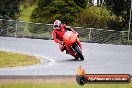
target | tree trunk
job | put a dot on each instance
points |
(97, 2)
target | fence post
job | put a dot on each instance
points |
(1, 23)
(129, 30)
(90, 35)
(16, 29)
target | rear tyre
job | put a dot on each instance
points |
(78, 51)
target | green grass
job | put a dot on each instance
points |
(62, 85)
(26, 13)
(9, 59)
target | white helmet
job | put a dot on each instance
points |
(57, 24)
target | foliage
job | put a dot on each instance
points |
(81, 3)
(27, 3)
(49, 10)
(25, 13)
(115, 6)
(93, 17)
(121, 8)
(9, 9)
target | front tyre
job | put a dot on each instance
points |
(78, 51)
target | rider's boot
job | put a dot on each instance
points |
(67, 51)
(76, 57)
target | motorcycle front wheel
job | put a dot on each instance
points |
(78, 51)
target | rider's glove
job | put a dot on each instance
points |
(62, 43)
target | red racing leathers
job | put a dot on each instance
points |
(58, 37)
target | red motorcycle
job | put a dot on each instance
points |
(70, 40)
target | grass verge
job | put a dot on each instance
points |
(26, 13)
(9, 59)
(61, 85)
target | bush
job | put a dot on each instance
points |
(97, 17)
(92, 17)
(50, 10)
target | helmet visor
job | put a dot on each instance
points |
(56, 27)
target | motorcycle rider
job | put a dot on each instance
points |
(58, 32)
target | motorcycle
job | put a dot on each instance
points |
(70, 39)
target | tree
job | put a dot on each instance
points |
(27, 3)
(121, 8)
(97, 2)
(81, 3)
(127, 10)
(116, 6)
(9, 9)
(64, 10)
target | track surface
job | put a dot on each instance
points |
(99, 58)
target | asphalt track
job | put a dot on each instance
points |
(99, 58)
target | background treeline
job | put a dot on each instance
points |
(9, 9)
(108, 14)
